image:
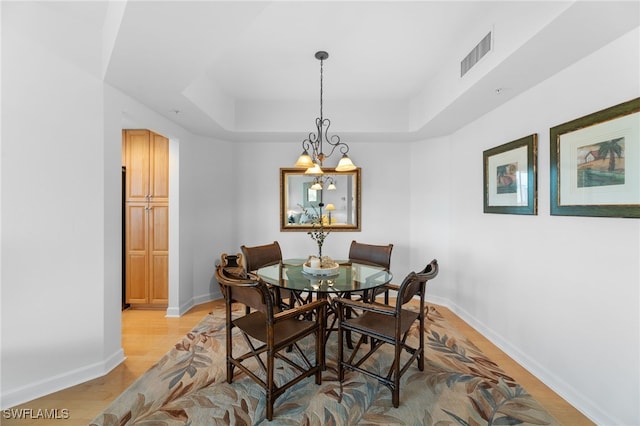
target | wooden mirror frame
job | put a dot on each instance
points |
(289, 209)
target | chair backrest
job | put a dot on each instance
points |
(259, 256)
(243, 288)
(371, 254)
(414, 284)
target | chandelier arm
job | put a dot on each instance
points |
(344, 148)
(307, 149)
(341, 146)
(312, 140)
(311, 144)
(334, 140)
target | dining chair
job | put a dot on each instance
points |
(264, 255)
(268, 332)
(385, 324)
(370, 254)
(379, 255)
(257, 257)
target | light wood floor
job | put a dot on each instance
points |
(147, 335)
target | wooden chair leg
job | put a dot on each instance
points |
(270, 385)
(229, 372)
(269, 409)
(396, 377)
(340, 355)
(421, 347)
(319, 354)
(229, 344)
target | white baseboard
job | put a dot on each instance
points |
(565, 390)
(173, 312)
(44, 387)
(11, 398)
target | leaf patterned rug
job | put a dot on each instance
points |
(459, 386)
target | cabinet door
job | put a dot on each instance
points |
(137, 145)
(158, 253)
(146, 157)
(137, 258)
(159, 168)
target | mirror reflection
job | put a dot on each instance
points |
(334, 196)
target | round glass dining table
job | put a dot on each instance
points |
(351, 277)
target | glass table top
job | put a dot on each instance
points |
(351, 277)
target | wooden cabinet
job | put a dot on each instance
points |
(146, 158)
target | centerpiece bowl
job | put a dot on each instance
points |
(324, 266)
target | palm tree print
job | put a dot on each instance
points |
(593, 167)
(610, 149)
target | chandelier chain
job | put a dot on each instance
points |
(321, 91)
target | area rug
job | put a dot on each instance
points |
(459, 386)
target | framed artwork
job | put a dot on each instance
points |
(510, 177)
(595, 163)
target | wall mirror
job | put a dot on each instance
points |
(300, 200)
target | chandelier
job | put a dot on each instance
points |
(313, 154)
(320, 181)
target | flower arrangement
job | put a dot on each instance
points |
(318, 234)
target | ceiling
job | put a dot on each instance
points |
(242, 70)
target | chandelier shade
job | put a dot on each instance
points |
(345, 164)
(304, 161)
(314, 169)
(313, 154)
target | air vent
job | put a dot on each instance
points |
(476, 54)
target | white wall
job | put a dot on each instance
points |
(558, 293)
(112, 223)
(429, 210)
(61, 217)
(385, 201)
(208, 195)
(54, 232)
